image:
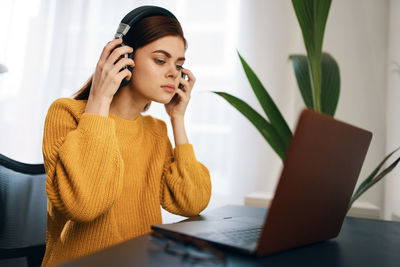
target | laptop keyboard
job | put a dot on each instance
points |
(238, 237)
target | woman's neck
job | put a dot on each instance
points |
(127, 103)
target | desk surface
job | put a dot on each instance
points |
(361, 242)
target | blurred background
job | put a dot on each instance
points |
(49, 48)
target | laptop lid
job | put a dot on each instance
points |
(320, 172)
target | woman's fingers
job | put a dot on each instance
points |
(119, 52)
(122, 63)
(190, 81)
(183, 96)
(190, 75)
(108, 48)
(123, 74)
(185, 84)
(110, 69)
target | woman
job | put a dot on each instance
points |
(109, 168)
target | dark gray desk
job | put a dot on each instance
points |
(361, 242)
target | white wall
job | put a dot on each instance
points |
(357, 35)
(392, 183)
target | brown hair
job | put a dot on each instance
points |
(145, 31)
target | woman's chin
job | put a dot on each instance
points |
(163, 100)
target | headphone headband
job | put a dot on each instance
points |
(138, 14)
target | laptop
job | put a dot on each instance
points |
(311, 198)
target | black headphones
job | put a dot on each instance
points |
(129, 21)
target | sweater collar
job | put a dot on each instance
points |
(131, 126)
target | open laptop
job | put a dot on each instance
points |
(319, 174)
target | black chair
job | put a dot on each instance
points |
(23, 213)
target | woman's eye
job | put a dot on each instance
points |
(160, 61)
(179, 67)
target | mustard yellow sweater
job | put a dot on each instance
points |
(107, 177)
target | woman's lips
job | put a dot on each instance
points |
(168, 88)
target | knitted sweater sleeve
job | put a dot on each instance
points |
(82, 161)
(185, 184)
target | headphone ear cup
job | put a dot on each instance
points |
(126, 81)
(130, 55)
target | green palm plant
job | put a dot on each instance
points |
(318, 79)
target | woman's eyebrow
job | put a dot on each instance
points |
(168, 55)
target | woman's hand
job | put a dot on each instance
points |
(178, 104)
(109, 69)
(108, 76)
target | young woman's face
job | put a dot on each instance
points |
(157, 66)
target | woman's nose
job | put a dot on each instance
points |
(173, 71)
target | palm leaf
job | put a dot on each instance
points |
(373, 178)
(302, 73)
(312, 16)
(267, 104)
(330, 82)
(330, 88)
(374, 172)
(263, 126)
